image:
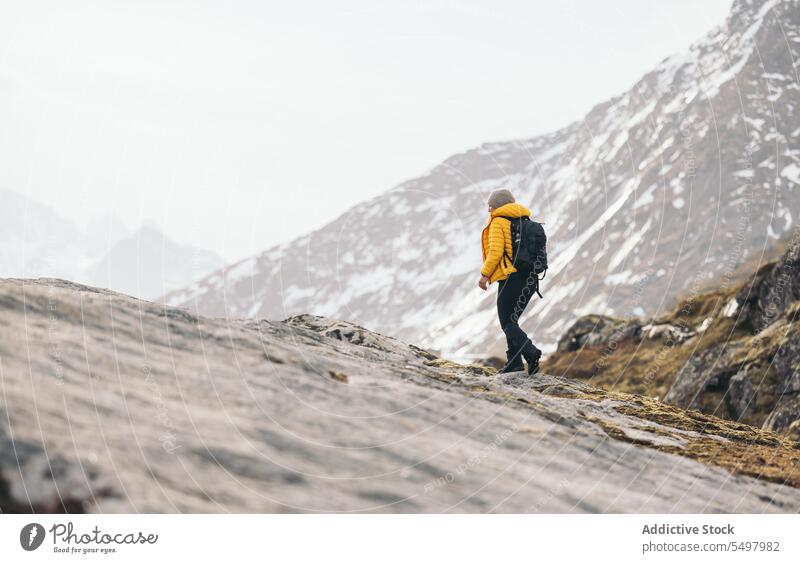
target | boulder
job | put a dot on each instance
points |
(741, 395)
(597, 330)
(786, 364)
(775, 287)
(785, 417)
(706, 371)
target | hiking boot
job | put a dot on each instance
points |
(531, 354)
(513, 364)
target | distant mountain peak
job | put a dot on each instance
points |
(37, 241)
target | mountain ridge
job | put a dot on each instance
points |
(627, 195)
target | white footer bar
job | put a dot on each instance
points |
(400, 538)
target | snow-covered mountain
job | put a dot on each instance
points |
(37, 241)
(655, 192)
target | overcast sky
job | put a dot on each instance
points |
(235, 125)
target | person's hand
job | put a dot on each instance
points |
(483, 282)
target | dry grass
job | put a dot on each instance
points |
(733, 446)
(648, 366)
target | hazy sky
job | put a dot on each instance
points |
(236, 125)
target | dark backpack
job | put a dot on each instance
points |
(529, 245)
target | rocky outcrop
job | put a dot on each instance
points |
(604, 331)
(733, 353)
(597, 330)
(773, 290)
(741, 395)
(786, 364)
(155, 409)
(784, 417)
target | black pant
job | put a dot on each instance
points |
(513, 295)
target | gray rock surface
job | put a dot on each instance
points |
(150, 408)
(31, 480)
(709, 370)
(774, 289)
(785, 417)
(741, 395)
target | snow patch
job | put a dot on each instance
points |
(731, 308)
(791, 173)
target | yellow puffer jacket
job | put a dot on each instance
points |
(496, 242)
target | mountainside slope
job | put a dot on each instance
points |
(132, 406)
(676, 181)
(732, 352)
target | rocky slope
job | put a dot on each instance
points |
(115, 404)
(733, 352)
(690, 172)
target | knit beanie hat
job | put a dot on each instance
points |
(500, 197)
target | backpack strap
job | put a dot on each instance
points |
(511, 220)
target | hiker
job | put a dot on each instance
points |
(517, 280)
